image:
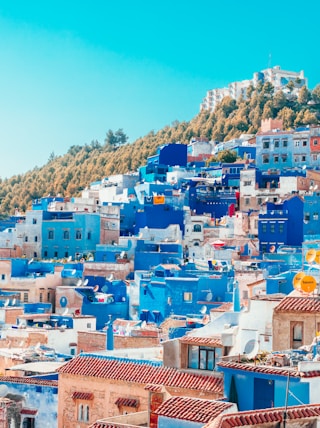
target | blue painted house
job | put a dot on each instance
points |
(277, 223)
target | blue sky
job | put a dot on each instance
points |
(71, 70)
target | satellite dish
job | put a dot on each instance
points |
(308, 284)
(203, 310)
(69, 258)
(30, 261)
(315, 187)
(311, 188)
(79, 283)
(74, 271)
(209, 296)
(65, 311)
(304, 167)
(96, 288)
(14, 300)
(251, 349)
(311, 255)
(297, 280)
(110, 277)
(3, 390)
(85, 282)
(6, 303)
(317, 258)
(266, 200)
(272, 249)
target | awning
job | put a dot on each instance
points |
(127, 402)
(78, 395)
(29, 412)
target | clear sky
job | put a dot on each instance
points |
(71, 70)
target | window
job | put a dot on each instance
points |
(303, 158)
(307, 217)
(35, 254)
(297, 143)
(83, 413)
(197, 228)
(296, 334)
(314, 157)
(284, 158)
(265, 159)
(304, 143)
(247, 201)
(78, 234)
(35, 239)
(66, 254)
(25, 297)
(55, 254)
(264, 228)
(66, 234)
(272, 228)
(247, 183)
(45, 253)
(315, 142)
(88, 324)
(48, 297)
(41, 297)
(265, 144)
(187, 297)
(50, 234)
(276, 143)
(201, 357)
(34, 221)
(276, 159)
(89, 236)
(281, 228)
(3, 276)
(285, 143)
(315, 216)
(296, 159)
(25, 239)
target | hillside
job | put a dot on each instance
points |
(69, 174)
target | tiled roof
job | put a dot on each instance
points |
(140, 372)
(192, 409)
(270, 370)
(265, 416)
(204, 341)
(78, 395)
(25, 411)
(128, 402)
(108, 425)
(298, 304)
(154, 388)
(29, 380)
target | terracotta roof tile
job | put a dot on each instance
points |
(29, 380)
(153, 388)
(192, 409)
(205, 341)
(298, 304)
(78, 395)
(265, 416)
(270, 370)
(140, 372)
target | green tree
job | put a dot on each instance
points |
(304, 96)
(227, 156)
(288, 117)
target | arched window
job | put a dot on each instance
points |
(86, 414)
(66, 234)
(80, 412)
(197, 228)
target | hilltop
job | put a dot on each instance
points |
(69, 174)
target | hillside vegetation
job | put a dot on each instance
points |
(69, 174)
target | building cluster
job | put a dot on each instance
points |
(186, 294)
(277, 77)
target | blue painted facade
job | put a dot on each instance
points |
(165, 291)
(276, 225)
(256, 390)
(149, 254)
(69, 234)
(274, 151)
(159, 216)
(311, 216)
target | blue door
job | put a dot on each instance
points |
(263, 393)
